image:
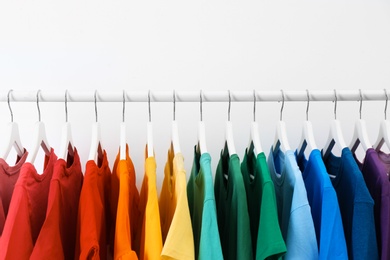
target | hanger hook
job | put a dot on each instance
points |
(9, 105)
(66, 106)
(387, 99)
(39, 110)
(282, 107)
(201, 105)
(307, 106)
(335, 104)
(96, 112)
(150, 112)
(361, 103)
(230, 104)
(254, 105)
(174, 105)
(124, 106)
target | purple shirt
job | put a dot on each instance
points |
(375, 168)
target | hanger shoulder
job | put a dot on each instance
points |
(383, 136)
(39, 141)
(202, 138)
(175, 137)
(335, 137)
(95, 142)
(230, 138)
(360, 136)
(307, 139)
(13, 141)
(281, 139)
(66, 142)
(255, 139)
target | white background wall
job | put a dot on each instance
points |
(191, 45)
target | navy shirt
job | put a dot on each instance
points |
(356, 205)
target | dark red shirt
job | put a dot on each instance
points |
(8, 177)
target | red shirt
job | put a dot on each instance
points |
(57, 238)
(8, 177)
(27, 210)
(94, 211)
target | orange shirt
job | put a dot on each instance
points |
(151, 240)
(93, 215)
(127, 216)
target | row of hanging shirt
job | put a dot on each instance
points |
(284, 207)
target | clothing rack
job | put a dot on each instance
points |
(194, 96)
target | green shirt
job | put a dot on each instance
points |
(232, 209)
(202, 209)
(267, 240)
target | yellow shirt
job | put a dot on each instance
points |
(176, 224)
(127, 210)
(151, 240)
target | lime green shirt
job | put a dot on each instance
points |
(267, 239)
(232, 209)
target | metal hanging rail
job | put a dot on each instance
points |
(193, 96)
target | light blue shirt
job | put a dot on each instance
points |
(294, 211)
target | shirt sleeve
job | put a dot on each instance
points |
(301, 239)
(364, 245)
(16, 240)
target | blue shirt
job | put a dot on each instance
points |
(294, 213)
(356, 205)
(324, 207)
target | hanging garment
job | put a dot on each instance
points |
(127, 212)
(57, 237)
(27, 210)
(267, 240)
(294, 214)
(375, 168)
(201, 202)
(356, 205)
(151, 239)
(232, 209)
(324, 207)
(8, 177)
(178, 240)
(93, 216)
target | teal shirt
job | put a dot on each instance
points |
(203, 212)
(267, 240)
(232, 209)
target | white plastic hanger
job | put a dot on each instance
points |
(254, 134)
(281, 140)
(384, 130)
(150, 131)
(66, 140)
(40, 139)
(360, 135)
(201, 147)
(13, 136)
(122, 148)
(95, 150)
(307, 140)
(229, 139)
(335, 133)
(175, 130)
